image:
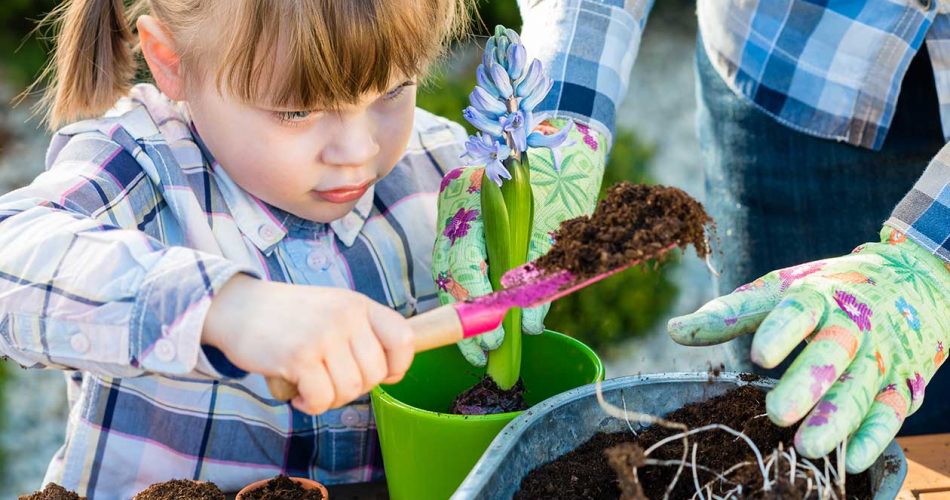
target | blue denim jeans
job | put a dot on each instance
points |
(781, 197)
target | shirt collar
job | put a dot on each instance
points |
(266, 225)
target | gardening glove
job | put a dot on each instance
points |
(565, 182)
(877, 322)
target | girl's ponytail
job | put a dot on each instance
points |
(92, 64)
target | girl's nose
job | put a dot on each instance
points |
(353, 141)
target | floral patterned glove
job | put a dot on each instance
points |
(565, 182)
(878, 325)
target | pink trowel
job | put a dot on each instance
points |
(525, 286)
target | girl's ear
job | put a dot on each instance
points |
(158, 48)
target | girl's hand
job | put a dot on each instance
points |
(333, 344)
(565, 183)
(878, 326)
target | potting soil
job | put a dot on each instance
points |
(586, 472)
(486, 398)
(634, 222)
(283, 488)
(52, 491)
(177, 489)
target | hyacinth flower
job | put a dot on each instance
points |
(507, 91)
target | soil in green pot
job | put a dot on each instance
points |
(282, 488)
(486, 398)
(181, 489)
(52, 491)
(634, 222)
(602, 468)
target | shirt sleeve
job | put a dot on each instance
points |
(924, 213)
(82, 287)
(588, 47)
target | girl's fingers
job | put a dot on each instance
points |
(792, 320)
(345, 375)
(821, 363)
(841, 410)
(395, 337)
(315, 391)
(878, 428)
(370, 358)
(727, 317)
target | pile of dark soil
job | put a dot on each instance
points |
(180, 489)
(486, 398)
(283, 488)
(591, 470)
(634, 222)
(52, 491)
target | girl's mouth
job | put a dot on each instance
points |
(344, 194)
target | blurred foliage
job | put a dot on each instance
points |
(23, 52)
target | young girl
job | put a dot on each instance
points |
(159, 259)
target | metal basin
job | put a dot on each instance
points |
(563, 422)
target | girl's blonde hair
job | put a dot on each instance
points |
(331, 51)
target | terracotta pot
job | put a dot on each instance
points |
(307, 484)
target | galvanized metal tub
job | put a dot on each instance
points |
(563, 422)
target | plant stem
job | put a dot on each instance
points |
(504, 363)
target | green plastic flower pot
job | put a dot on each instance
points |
(428, 453)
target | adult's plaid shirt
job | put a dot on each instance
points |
(833, 69)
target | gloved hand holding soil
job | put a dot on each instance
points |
(633, 223)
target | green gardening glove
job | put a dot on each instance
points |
(565, 182)
(878, 325)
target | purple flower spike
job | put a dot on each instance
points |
(484, 81)
(483, 149)
(858, 312)
(530, 101)
(485, 103)
(482, 122)
(516, 124)
(508, 88)
(501, 80)
(517, 57)
(533, 78)
(539, 140)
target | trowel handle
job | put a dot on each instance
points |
(439, 327)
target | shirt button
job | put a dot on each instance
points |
(164, 350)
(267, 232)
(79, 343)
(350, 417)
(318, 261)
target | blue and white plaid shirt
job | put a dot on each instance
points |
(109, 261)
(829, 68)
(833, 69)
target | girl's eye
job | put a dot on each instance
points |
(396, 92)
(292, 117)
